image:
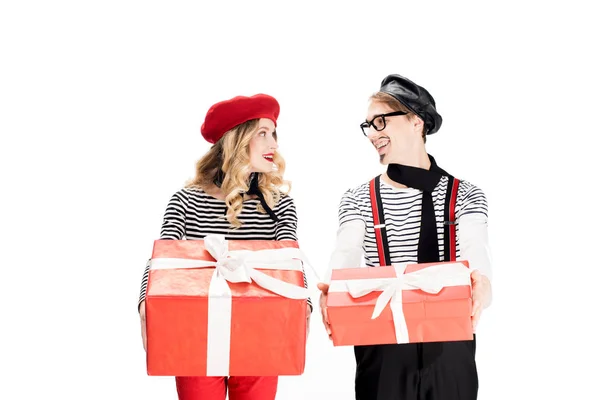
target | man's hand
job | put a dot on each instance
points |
(482, 295)
(324, 288)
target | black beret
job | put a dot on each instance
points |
(415, 98)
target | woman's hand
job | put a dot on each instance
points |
(143, 321)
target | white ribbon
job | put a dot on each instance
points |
(431, 280)
(235, 266)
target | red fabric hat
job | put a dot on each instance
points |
(225, 115)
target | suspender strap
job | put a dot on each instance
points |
(450, 220)
(383, 249)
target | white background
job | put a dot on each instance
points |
(100, 109)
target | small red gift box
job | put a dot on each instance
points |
(408, 303)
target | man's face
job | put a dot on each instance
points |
(389, 139)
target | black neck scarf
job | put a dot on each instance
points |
(425, 180)
(252, 190)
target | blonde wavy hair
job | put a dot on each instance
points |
(230, 156)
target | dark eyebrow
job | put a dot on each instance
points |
(372, 118)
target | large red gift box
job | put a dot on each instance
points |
(203, 317)
(409, 303)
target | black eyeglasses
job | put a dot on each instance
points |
(378, 122)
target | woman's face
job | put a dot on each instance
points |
(263, 146)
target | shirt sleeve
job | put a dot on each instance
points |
(173, 228)
(472, 218)
(470, 200)
(286, 228)
(348, 250)
(288, 220)
(348, 209)
(474, 245)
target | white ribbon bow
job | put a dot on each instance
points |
(229, 266)
(431, 280)
(239, 266)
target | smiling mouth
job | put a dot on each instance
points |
(381, 145)
(268, 157)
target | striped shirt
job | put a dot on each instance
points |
(192, 214)
(402, 210)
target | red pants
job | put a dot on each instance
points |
(215, 388)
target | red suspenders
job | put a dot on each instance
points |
(379, 221)
(451, 222)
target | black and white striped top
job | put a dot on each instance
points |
(402, 210)
(192, 214)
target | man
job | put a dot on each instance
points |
(413, 197)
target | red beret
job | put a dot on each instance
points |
(225, 115)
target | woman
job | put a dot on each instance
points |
(237, 192)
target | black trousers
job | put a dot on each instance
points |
(417, 371)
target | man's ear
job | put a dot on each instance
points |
(417, 124)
